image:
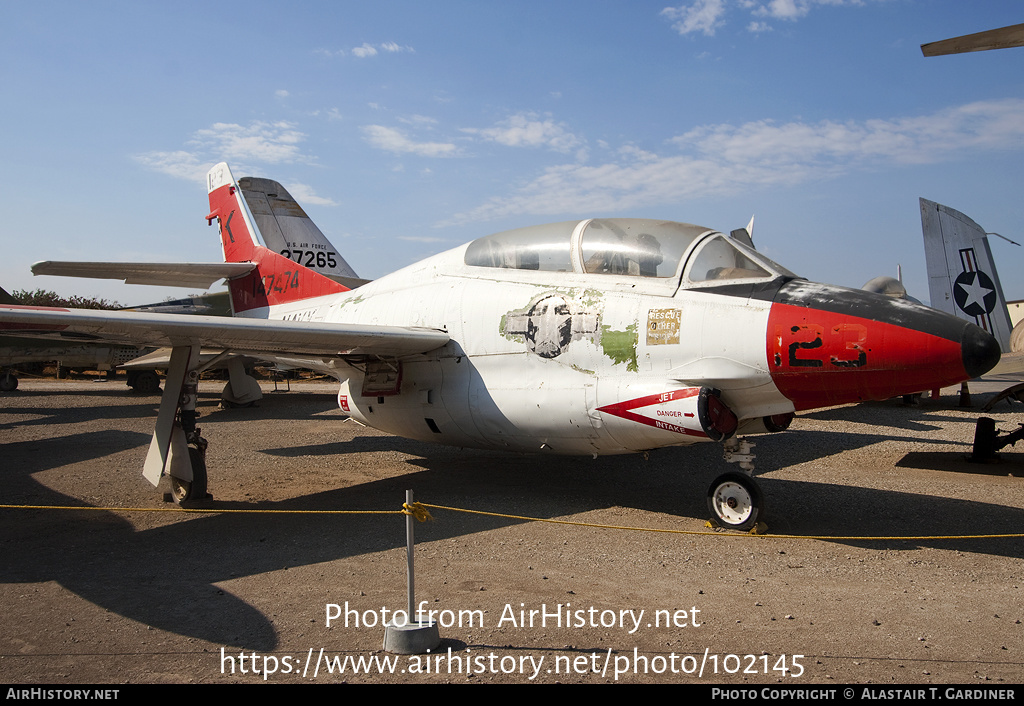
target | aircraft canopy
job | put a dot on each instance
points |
(631, 247)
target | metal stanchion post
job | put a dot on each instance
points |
(417, 634)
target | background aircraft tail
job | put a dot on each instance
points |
(277, 279)
(962, 278)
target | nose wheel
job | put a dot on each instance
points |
(735, 501)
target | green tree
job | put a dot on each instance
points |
(43, 297)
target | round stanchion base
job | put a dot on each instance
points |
(414, 638)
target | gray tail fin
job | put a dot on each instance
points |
(286, 229)
(962, 277)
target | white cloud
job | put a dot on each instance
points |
(784, 9)
(418, 120)
(706, 16)
(241, 146)
(281, 93)
(920, 139)
(793, 9)
(368, 50)
(260, 141)
(304, 194)
(725, 159)
(529, 130)
(393, 140)
(702, 16)
(364, 51)
(634, 153)
(179, 164)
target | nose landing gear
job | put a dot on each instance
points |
(735, 501)
(734, 498)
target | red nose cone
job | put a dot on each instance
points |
(830, 345)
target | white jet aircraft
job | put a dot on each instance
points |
(598, 336)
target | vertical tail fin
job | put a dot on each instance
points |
(962, 278)
(286, 229)
(276, 279)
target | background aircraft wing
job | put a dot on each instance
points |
(242, 335)
(166, 274)
(1002, 38)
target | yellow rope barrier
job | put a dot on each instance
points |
(752, 533)
(420, 511)
(198, 510)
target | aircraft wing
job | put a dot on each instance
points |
(1002, 38)
(167, 274)
(241, 335)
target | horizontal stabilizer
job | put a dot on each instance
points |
(165, 274)
(349, 282)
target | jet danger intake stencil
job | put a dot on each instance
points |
(672, 410)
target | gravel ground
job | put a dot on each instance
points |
(125, 596)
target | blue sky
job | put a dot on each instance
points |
(407, 128)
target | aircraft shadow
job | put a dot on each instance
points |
(24, 458)
(168, 576)
(294, 405)
(1009, 464)
(49, 417)
(923, 417)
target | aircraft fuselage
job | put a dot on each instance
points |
(590, 362)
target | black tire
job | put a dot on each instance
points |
(184, 491)
(146, 382)
(8, 382)
(735, 501)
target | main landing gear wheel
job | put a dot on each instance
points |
(184, 491)
(146, 382)
(735, 501)
(8, 382)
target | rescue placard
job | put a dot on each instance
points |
(663, 326)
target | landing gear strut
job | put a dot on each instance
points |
(184, 489)
(177, 449)
(734, 498)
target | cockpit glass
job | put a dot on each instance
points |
(536, 248)
(624, 247)
(635, 247)
(720, 259)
